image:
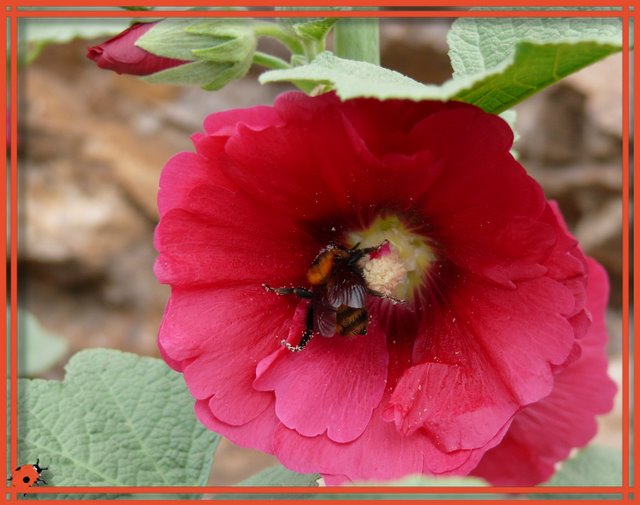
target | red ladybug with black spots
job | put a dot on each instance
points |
(26, 476)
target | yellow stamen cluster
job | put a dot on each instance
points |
(401, 269)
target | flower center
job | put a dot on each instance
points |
(397, 269)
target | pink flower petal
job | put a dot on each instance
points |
(335, 480)
(305, 184)
(226, 123)
(180, 176)
(194, 246)
(523, 331)
(122, 55)
(380, 453)
(258, 433)
(188, 326)
(545, 432)
(458, 406)
(491, 230)
(484, 357)
(333, 386)
(299, 182)
(219, 362)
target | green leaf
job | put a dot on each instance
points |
(36, 33)
(527, 53)
(422, 480)
(281, 477)
(38, 349)
(497, 62)
(533, 68)
(480, 44)
(419, 481)
(116, 420)
(276, 476)
(592, 466)
(352, 79)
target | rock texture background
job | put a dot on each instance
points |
(92, 145)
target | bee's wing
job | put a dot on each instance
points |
(324, 317)
(348, 289)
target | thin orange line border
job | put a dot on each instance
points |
(5, 128)
(426, 4)
(16, 10)
(319, 13)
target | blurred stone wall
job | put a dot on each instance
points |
(92, 145)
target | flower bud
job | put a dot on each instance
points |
(122, 55)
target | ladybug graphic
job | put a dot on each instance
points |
(26, 476)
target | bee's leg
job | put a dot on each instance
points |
(378, 294)
(359, 253)
(369, 250)
(42, 481)
(306, 335)
(299, 292)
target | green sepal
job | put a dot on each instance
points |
(220, 51)
(298, 60)
(310, 29)
(239, 45)
(170, 39)
(314, 29)
(235, 71)
(198, 73)
(229, 28)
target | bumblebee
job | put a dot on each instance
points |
(338, 294)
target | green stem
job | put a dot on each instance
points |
(267, 29)
(266, 60)
(357, 39)
(312, 48)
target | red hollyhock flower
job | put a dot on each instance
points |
(121, 55)
(491, 362)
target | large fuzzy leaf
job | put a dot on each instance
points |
(497, 62)
(116, 420)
